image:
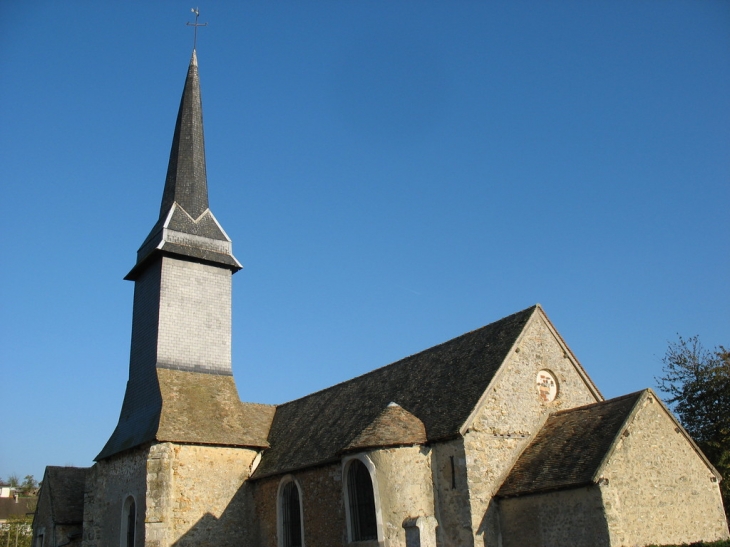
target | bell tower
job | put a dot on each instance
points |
(174, 470)
(181, 387)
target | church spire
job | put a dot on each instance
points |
(186, 226)
(187, 183)
(181, 386)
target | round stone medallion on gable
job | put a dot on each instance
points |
(547, 386)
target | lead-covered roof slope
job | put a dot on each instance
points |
(440, 386)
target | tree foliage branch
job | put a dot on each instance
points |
(697, 383)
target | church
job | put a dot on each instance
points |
(497, 438)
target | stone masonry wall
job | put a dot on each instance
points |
(195, 317)
(452, 508)
(567, 518)
(158, 516)
(196, 496)
(322, 506)
(403, 477)
(659, 490)
(511, 413)
(108, 484)
(404, 481)
(68, 535)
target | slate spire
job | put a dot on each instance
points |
(186, 225)
(181, 386)
(186, 183)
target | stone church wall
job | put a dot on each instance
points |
(658, 489)
(452, 508)
(568, 518)
(185, 495)
(322, 506)
(510, 414)
(197, 496)
(404, 481)
(108, 484)
(402, 475)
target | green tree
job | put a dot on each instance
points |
(29, 483)
(14, 480)
(697, 382)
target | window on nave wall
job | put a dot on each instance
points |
(361, 502)
(129, 522)
(290, 515)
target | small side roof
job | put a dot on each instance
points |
(66, 488)
(439, 386)
(394, 426)
(569, 449)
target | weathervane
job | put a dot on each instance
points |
(196, 11)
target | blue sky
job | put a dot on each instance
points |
(392, 174)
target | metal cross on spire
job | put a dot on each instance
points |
(196, 11)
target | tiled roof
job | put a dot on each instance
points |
(9, 507)
(439, 386)
(66, 486)
(189, 407)
(205, 409)
(394, 426)
(569, 448)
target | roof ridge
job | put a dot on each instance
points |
(636, 394)
(403, 359)
(439, 386)
(258, 404)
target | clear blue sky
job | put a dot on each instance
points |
(392, 174)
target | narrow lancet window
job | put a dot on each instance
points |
(129, 522)
(291, 517)
(361, 502)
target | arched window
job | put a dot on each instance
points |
(291, 531)
(361, 502)
(129, 522)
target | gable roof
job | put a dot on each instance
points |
(570, 448)
(66, 493)
(440, 386)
